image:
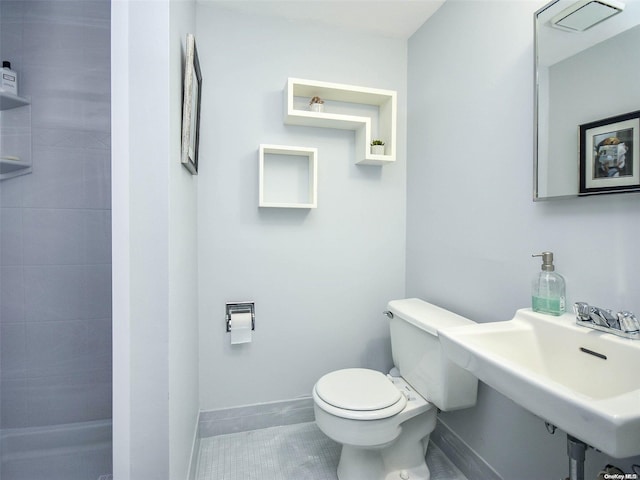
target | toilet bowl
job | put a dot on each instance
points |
(384, 421)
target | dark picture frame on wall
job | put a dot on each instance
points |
(610, 155)
(191, 98)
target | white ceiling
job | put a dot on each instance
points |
(389, 18)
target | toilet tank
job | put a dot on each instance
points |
(419, 357)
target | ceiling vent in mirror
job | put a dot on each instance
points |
(585, 14)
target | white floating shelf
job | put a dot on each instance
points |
(384, 101)
(288, 177)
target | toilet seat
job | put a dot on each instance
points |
(359, 394)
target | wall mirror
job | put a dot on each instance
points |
(587, 98)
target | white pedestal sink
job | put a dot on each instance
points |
(584, 381)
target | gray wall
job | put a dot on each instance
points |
(55, 224)
(320, 278)
(471, 223)
(154, 244)
(184, 401)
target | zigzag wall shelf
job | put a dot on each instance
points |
(370, 112)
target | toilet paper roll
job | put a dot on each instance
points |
(240, 326)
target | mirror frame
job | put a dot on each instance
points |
(536, 101)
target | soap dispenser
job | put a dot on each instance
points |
(548, 288)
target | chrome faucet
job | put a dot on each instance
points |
(624, 323)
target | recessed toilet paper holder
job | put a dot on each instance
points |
(240, 307)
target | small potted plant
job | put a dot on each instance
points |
(377, 147)
(316, 104)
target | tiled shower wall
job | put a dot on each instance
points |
(55, 223)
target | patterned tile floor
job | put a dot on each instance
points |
(291, 452)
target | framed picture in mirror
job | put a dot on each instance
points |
(610, 155)
(191, 107)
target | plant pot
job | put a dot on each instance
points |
(377, 149)
(317, 107)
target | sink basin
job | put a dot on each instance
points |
(584, 381)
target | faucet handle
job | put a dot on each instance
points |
(582, 311)
(628, 322)
(608, 317)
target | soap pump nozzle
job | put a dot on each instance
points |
(547, 261)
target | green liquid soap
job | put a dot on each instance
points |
(553, 306)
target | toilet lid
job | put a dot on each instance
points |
(358, 389)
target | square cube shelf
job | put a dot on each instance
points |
(288, 177)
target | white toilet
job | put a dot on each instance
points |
(382, 421)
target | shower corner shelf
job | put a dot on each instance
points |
(13, 167)
(9, 101)
(288, 177)
(384, 100)
(17, 161)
